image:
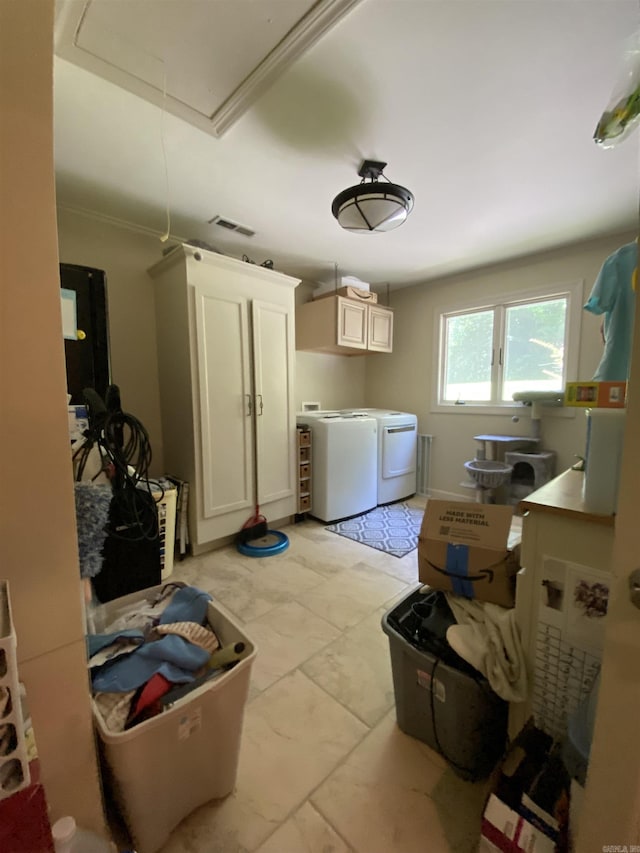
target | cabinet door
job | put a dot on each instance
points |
(273, 341)
(352, 324)
(224, 385)
(380, 328)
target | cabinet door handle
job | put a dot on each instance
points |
(249, 405)
(259, 405)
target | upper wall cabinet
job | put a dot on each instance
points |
(225, 357)
(380, 328)
(343, 326)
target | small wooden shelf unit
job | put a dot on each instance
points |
(304, 474)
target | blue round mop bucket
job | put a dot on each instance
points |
(256, 540)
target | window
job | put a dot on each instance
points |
(488, 352)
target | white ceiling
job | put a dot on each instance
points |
(484, 109)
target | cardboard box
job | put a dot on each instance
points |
(528, 808)
(610, 395)
(466, 548)
(355, 293)
(326, 288)
(506, 831)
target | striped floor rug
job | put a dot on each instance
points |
(393, 529)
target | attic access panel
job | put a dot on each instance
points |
(205, 62)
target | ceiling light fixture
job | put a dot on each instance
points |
(374, 206)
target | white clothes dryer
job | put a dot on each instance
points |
(396, 453)
(344, 454)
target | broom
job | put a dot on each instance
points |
(253, 528)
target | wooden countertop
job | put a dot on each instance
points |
(563, 496)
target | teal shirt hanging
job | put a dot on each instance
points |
(613, 295)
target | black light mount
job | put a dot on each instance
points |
(372, 205)
(371, 169)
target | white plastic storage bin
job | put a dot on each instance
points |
(14, 759)
(161, 770)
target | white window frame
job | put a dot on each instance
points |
(572, 291)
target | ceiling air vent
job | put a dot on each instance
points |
(232, 226)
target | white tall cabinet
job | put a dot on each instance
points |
(226, 342)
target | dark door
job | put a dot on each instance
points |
(87, 358)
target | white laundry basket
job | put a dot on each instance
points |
(162, 769)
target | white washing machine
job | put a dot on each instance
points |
(396, 454)
(344, 464)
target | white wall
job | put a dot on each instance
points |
(336, 381)
(125, 256)
(404, 379)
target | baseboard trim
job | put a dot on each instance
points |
(440, 495)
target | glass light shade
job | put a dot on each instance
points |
(370, 207)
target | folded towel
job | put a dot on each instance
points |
(197, 634)
(488, 638)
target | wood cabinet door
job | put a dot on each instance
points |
(380, 329)
(226, 401)
(352, 324)
(273, 347)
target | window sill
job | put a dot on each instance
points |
(507, 410)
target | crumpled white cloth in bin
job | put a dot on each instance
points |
(488, 638)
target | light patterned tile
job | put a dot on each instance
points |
(286, 637)
(347, 598)
(284, 571)
(378, 799)
(324, 557)
(404, 568)
(390, 603)
(219, 572)
(305, 832)
(313, 778)
(337, 552)
(356, 670)
(204, 563)
(294, 736)
(250, 590)
(221, 826)
(460, 805)
(418, 501)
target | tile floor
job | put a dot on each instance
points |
(323, 765)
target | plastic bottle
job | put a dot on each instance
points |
(69, 838)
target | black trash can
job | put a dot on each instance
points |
(441, 699)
